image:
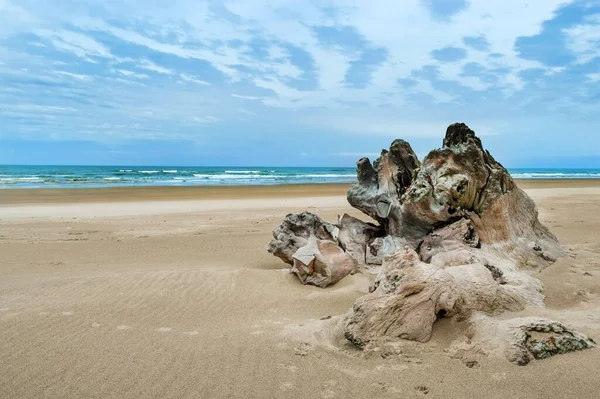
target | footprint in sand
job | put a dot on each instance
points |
(286, 386)
(395, 367)
(289, 367)
(328, 392)
(165, 329)
(124, 327)
(95, 325)
(303, 349)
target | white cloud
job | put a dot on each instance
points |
(73, 75)
(188, 35)
(127, 72)
(247, 97)
(245, 111)
(150, 66)
(39, 108)
(405, 29)
(204, 119)
(126, 81)
(192, 79)
(584, 39)
(594, 77)
(13, 18)
(76, 43)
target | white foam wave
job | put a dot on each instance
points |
(536, 175)
(148, 171)
(210, 181)
(254, 176)
(227, 177)
(30, 178)
(125, 170)
(169, 171)
(243, 172)
(326, 176)
(17, 180)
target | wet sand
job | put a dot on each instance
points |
(111, 194)
(169, 292)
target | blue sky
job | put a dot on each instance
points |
(296, 82)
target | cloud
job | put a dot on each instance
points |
(73, 75)
(41, 108)
(79, 44)
(594, 77)
(364, 69)
(245, 111)
(204, 119)
(131, 73)
(247, 97)
(584, 39)
(150, 66)
(13, 17)
(194, 80)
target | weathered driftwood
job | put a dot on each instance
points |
(321, 263)
(355, 237)
(311, 246)
(409, 295)
(456, 238)
(295, 232)
(523, 339)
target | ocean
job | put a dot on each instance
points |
(112, 176)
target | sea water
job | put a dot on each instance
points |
(111, 176)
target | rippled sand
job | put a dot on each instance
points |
(169, 293)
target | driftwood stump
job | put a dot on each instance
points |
(455, 237)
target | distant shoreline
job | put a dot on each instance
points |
(17, 196)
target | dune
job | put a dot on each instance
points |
(164, 293)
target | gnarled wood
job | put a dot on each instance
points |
(456, 237)
(321, 263)
(295, 232)
(355, 236)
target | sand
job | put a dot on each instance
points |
(169, 293)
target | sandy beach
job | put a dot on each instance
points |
(169, 293)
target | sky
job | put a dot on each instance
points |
(296, 82)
